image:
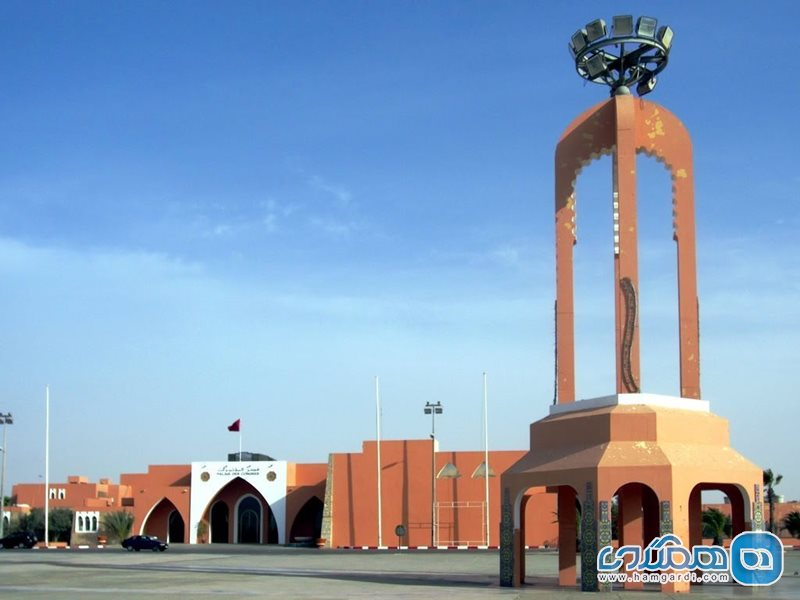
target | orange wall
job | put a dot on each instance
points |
(406, 497)
(79, 494)
(304, 482)
(161, 484)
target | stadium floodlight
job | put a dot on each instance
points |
(646, 85)
(595, 30)
(629, 57)
(665, 35)
(622, 25)
(596, 66)
(646, 27)
(578, 41)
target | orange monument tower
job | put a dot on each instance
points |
(651, 454)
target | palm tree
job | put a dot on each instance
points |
(770, 481)
(791, 523)
(117, 525)
(716, 525)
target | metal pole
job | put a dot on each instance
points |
(3, 481)
(486, 451)
(47, 468)
(432, 409)
(378, 438)
(433, 477)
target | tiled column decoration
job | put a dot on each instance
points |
(507, 540)
(758, 509)
(604, 535)
(588, 542)
(665, 523)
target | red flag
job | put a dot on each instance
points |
(234, 426)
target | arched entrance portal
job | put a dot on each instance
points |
(219, 523)
(240, 514)
(308, 522)
(176, 528)
(248, 521)
(165, 522)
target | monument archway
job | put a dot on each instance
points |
(655, 453)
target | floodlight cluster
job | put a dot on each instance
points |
(632, 53)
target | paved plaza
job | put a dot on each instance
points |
(273, 572)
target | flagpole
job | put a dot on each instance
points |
(47, 467)
(240, 443)
(378, 443)
(486, 451)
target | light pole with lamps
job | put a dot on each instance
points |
(5, 419)
(433, 410)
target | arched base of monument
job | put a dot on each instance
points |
(646, 457)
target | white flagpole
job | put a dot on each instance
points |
(47, 467)
(486, 452)
(378, 438)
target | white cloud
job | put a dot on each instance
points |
(334, 227)
(341, 195)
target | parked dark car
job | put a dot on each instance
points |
(144, 542)
(23, 539)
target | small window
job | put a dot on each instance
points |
(62, 494)
(80, 523)
(94, 523)
(52, 494)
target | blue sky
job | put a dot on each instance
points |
(211, 212)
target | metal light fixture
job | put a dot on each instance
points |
(646, 85)
(5, 419)
(665, 35)
(433, 408)
(595, 30)
(629, 57)
(646, 26)
(622, 25)
(596, 66)
(578, 41)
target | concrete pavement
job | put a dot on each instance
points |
(275, 572)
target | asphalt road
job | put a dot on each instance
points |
(273, 572)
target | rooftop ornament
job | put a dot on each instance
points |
(625, 57)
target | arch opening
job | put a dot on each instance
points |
(659, 325)
(176, 529)
(721, 521)
(158, 522)
(307, 524)
(593, 275)
(219, 523)
(239, 513)
(248, 521)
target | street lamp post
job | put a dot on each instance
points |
(5, 419)
(433, 410)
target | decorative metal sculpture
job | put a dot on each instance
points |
(629, 55)
(629, 293)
